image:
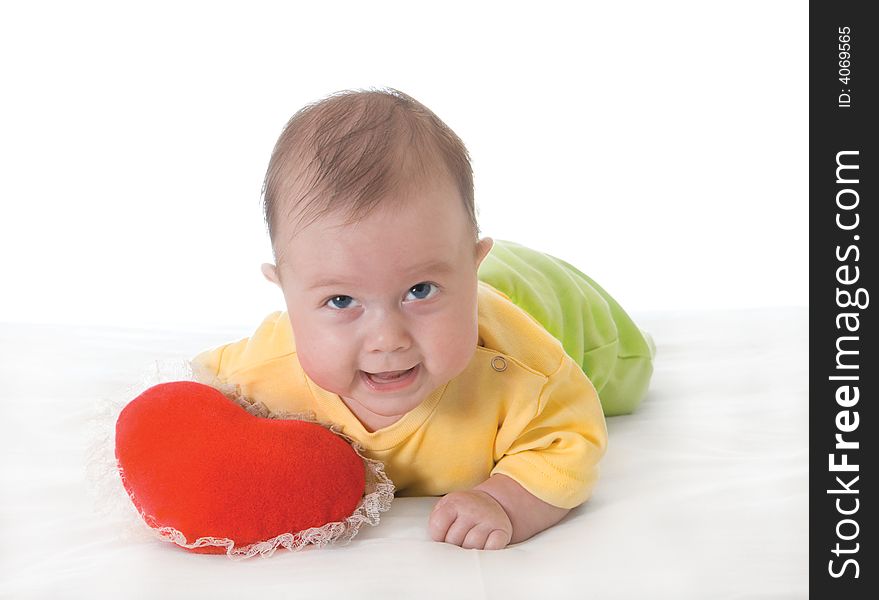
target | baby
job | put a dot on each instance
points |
(390, 334)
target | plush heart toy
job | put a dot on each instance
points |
(194, 462)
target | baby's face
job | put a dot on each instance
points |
(395, 292)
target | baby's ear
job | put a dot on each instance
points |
(483, 247)
(270, 272)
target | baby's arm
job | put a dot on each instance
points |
(495, 513)
(553, 448)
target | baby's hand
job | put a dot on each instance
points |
(470, 519)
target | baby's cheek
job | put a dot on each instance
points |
(453, 349)
(327, 369)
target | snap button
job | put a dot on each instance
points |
(498, 363)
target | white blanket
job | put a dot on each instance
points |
(703, 492)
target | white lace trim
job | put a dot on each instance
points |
(104, 475)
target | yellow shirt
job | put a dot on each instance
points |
(522, 407)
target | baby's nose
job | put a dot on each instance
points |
(389, 334)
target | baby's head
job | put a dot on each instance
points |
(369, 204)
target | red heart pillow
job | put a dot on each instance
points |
(195, 461)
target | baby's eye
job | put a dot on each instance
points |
(340, 302)
(422, 290)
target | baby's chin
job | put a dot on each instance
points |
(386, 410)
(389, 404)
(381, 411)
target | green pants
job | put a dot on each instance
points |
(594, 330)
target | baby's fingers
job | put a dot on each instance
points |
(470, 520)
(440, 520)
(459, 531)
(486, 538)
(497, 539)
(475, 538)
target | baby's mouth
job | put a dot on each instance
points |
(386, 376)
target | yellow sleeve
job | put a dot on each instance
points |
(207, 365)
(554, 453)
(270, 339)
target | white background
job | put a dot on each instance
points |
(659, 146)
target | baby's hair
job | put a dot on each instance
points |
(348, 151)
